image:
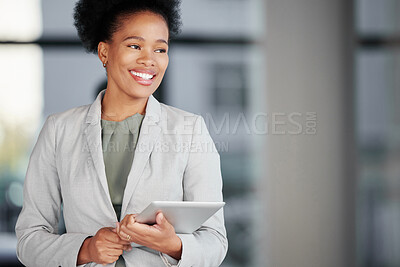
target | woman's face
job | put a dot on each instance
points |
(136, 56)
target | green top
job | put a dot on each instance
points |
(119, 139)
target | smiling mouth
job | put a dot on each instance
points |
(144, 76)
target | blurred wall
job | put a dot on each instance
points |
(309, 181)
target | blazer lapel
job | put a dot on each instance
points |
(150, 132)
(93, 138)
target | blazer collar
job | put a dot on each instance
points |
(153, 110)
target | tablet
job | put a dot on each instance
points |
(185, 216)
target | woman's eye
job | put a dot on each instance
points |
(161, 50)
(135, 46)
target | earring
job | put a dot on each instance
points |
(104, 65)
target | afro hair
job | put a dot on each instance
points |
(98, 20)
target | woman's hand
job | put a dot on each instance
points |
(160, 236)
(103, 248)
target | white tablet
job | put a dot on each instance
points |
(185, 216)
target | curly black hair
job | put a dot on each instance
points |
(98, 20)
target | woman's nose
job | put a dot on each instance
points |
(146, 58)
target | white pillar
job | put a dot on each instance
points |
(309, 183)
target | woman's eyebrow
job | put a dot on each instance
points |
(162, 41)
(142, 39)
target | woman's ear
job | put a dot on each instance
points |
(102, 51)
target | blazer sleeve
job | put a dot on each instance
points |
(202, 181)
(37, 225)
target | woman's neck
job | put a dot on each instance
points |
(117, 108)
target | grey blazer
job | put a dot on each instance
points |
(175, 159)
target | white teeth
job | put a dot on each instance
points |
(143, 75)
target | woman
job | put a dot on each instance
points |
(107, 161)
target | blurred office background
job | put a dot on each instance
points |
(218, 68)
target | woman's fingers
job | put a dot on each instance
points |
(106, 246)
(114, 242)
(125, 236)
(153, 236)
(160, 219)
(161, 222)
(127, 247)
(131, 219)
(128, 219)
(117, 246)
(124, 229)
(114, 252)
